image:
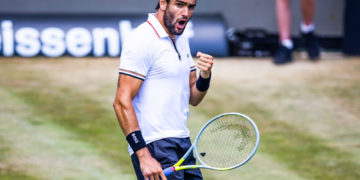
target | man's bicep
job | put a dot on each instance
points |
(192, 82)
(193, 78)
(128, 85)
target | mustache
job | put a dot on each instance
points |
(184, 18)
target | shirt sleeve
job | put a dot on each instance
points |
(135, 60)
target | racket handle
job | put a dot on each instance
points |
(168, 171)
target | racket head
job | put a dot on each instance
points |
(226, 142)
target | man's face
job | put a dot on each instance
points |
(177, 15)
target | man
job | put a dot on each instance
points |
(283, 12)
(157, 82)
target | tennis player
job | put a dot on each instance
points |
(157, 82)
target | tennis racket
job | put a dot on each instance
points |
(225, 142)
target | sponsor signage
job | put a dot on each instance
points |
(95, 35)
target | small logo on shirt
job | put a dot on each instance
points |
(135, 138)
(188, 55)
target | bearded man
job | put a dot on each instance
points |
(157, 82)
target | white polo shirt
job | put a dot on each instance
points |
(162, 103)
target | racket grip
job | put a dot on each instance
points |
(168, 171)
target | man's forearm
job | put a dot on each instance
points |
(196, 96)
(126, 117)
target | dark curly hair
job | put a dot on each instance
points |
(158, 5)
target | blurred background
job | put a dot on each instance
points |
(58, 76)
(239, 28)
(241, 14)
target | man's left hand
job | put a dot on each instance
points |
(205, 64)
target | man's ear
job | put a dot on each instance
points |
(163, 4)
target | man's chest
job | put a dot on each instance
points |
(172, 61)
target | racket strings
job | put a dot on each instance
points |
(226, 142)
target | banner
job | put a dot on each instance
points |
(95, 35)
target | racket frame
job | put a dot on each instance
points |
(177, 166)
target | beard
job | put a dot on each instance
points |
(170, 24)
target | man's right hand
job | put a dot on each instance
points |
(150, 167)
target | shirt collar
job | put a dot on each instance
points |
(155, 24)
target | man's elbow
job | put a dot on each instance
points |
(120, 103)
(194, 103)
(116, 104)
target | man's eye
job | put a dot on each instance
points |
(191, 7)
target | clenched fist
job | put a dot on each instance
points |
(205, 64)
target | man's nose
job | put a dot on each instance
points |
(185, 12)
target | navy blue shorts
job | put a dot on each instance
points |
(168, 151)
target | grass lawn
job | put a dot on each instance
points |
(57, 121)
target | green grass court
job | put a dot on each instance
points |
(57, 121)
